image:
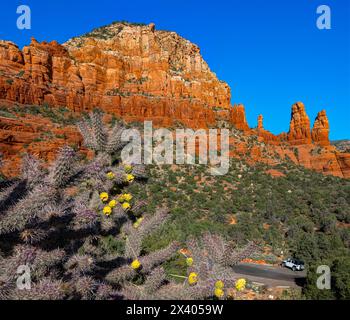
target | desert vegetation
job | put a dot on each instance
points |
(113, 218)
(302, 214)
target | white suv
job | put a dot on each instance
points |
(294, 264)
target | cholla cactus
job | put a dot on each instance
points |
(96, 136)
(44, 289)
(147, 291)
(53, 220)
(135, 263)
(139, 171)
(63, 168)
(209, 269)
(32, 171)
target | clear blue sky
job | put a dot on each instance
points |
(270, 52)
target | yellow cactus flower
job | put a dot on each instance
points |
(219, 293)
(110, 175)
(107, 210)
(112, 203)
(121, 198)
(137, 222)
(104, 196)
(126, 206)
(219, 285)
(135, 264)
(127, 197)
(189, 262)
(128, 168)
(240, 284)
(192, 278)
(129, 178)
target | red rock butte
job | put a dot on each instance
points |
(139, 73)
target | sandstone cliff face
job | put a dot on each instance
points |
(299, 131)
(343, 160)
(138, 73)
(34, 135)
(237, 117)
(132, 71)
(320, 131)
